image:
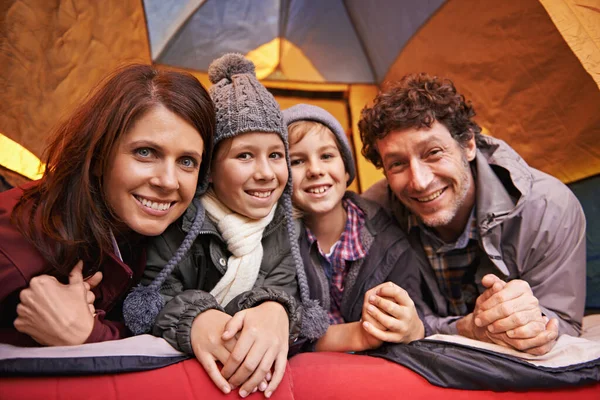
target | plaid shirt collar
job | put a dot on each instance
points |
(438, 245)
(349, 246)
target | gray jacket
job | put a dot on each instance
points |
(186, 290)
(531, 226)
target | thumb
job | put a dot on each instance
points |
(489, 280)
(94, 280)
(234, 325)
(76, 275)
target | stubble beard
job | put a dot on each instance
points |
(446, 216)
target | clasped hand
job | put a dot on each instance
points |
(248, 345)
(389, 315)
(508, 314)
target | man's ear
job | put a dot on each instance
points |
(470, 149)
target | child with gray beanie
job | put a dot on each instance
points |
(352, 250)
(243, 276)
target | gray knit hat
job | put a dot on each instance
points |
(307, 112)
(242, 103)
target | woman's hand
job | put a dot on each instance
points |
(54, 314)
(262, 343)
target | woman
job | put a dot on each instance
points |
(124, 166)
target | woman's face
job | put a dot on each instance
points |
(249, 173)
(153, 171)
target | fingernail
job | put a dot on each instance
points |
(477, 322)
(262, 387)
(268, 377)
(510, 333)
(372, 299)
(552, 335)
(370, 309)
(490, 328)
(243, 393)
(366, 324)
(268, 394)
(226, 389)
(254, 390)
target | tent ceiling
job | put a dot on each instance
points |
(334, 40)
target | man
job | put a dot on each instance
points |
(502, 244)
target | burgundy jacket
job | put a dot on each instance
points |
(20, 261)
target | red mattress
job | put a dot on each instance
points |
(308, 376)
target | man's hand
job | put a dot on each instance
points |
(209, 346)
(54, 314)
(393, 309)
(262, 344)
(508, 314)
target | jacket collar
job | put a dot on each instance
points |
(503, 181)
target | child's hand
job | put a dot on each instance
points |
(392, 307)
(369, 341)
(262, 344)
(209, 347)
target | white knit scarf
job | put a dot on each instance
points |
(243, 236)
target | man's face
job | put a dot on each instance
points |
(429, 173)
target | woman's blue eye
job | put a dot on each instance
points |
(143, 152)
(189, 162)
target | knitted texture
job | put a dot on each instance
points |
(307, 112)
(144, 303)
(243, 236)
(242, 103)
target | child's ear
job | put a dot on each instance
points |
(347, 178)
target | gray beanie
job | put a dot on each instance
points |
(242, 105)
(307, 112)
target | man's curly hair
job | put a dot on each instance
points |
(416, 102)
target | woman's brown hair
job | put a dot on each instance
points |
(65, 215)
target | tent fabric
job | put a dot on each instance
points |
(578, 21)
(52, 52)
(345, 41)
